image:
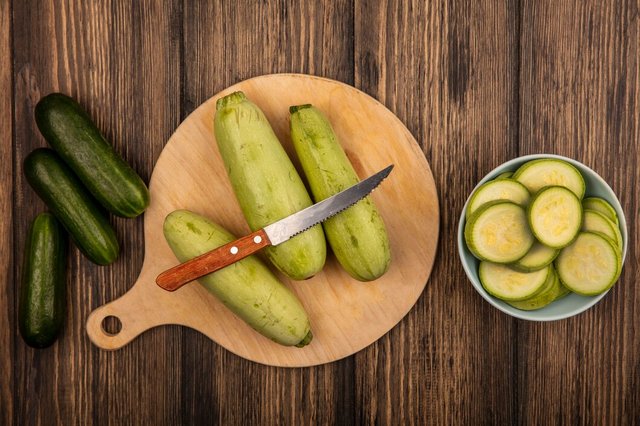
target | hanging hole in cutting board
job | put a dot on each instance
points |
(111, 325)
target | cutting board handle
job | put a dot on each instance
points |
(131, 314)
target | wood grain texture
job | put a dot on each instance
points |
(7, 283)
(116, 60)
(475, 82)
(580, 97)
(448, 70)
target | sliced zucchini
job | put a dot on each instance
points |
(562, 290)
(508, 284)
(498, 232)
(601, 206)
(545, 296)
(555, 216)
(589, 266)
(504, 175)
(597, 222)
(537, 174)
(503, 189)
(536, 258)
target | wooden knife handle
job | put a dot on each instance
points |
(174, 278)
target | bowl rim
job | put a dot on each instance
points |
(472, 275)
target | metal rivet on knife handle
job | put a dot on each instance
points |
(174, 278)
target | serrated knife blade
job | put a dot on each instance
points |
(273, 234)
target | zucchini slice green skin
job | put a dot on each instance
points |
(596, 221)
(357, 236)
(537, 174)
(590, 265)
(580, 238)
(546, 295)
(601, 206)
(42, 293)
(499, 189)
(555, 216)
(505, 175)
(538, 257)
(265, 182)
(74, 207)
(498, 232)
(248, 288)
(507, 284)
(72, 134)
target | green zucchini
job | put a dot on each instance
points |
(70, 202)
(266, 183)
(536, 258)
(42, 292)
(70, 131)
(601, 206)
(510, 285)
(357, 236)
(248, 288)
(537, 174)
(505, 175)
(590, 265)
(555, 216)
(498, 232)
(548, 294)
(594, 221)
(498, 189)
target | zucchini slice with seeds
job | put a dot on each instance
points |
(509, 284)
(498, 232)
(601, 206)
(589, 266)
(536, 258)
(537, 174)
(597, 222)
(555, 216)
(544, 297)
(501, 189)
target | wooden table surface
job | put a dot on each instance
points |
(477, 83)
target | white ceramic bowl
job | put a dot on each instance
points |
(572, 304)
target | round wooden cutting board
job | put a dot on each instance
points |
(346, 315)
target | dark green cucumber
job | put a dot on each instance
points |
(70, 131)
(81, 216)
(357, 236)
(248, 288)
(266, 183)
(42, 293)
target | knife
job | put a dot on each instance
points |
(271, 235)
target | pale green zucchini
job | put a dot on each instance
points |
(266, 183)
(590, 265)
(357, 236)
(555, 216)
(498, 189)
(498, 232)
(602, 206)
(248, 288)
(537, 174)
(536, 258)
(510, 285)
(594, 221)
(551, 289)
